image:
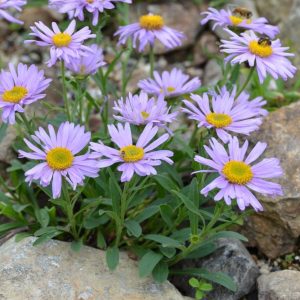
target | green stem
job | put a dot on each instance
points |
(124, 203)
(152, 60)
(246, 82)
(69, 206)
(65, 96)
(26, 122)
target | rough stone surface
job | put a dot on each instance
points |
(6, 152)
(281, 285)
(276, 230)
(30, 15)
(289, 29)
(212, 73)
(53, 271)
(206, 46)
(182, 16)
(275, 11)
(232, 258)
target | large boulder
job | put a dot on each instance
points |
(276, 230)
(281, 285)
(53, 271)
(232, 258)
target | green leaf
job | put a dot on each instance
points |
(19, 207)
(165, 182)
(199, 295)
(202, 251)
(42, 216)
(22, 235)
(76, 245)
(193, 282)
(101, 243)
(166, 213)
(161, 272)
(188, 203)
(3, 128)
(45, 230)
(112, 257)
(228, 234)
(10, 226)
(206, 287)
(46, 237)
(163, 240)
(133, 227)
(148, 263)
(167, 251)
(146, 213)
(217, 277)
(92, 222)
(115, 194)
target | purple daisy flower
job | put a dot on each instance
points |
(255, 104)
(20, 87)
(149, 28)
(223, 114)
(141, 110)
(238, 174)
(8, 4)
(64, 45)
(169, 84)
(266, 55)
(89, 63)
(58, 153)
(76, 8)
(240, 18)
(139, 158)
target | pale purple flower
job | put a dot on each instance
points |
(76, 8)
(256, 104)
(139, 158)
(6, 5)
(239, 173)
(169, 84)
(20, 87)
(268, 57)
(58, 156)
(141, 110)
(87, 64)
(240, 18)
(64, 45)
(147, 30)
(223, 114)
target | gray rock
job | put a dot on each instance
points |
(275, 11)
(6, 152)
(276, 230)
(281, 285)
(289, 31)
(212, 73)
(53, 271)
(232, 258)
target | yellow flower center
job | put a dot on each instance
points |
(60, 158)
(132, 153)
(15, 95)
(238, 20)
(90, 1)
(151, 22)
(145, 115)
(170, 89)
(61, 40)
(218, 120)
(237, 172)
(262, 49)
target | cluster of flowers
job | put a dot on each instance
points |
(225, 112)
